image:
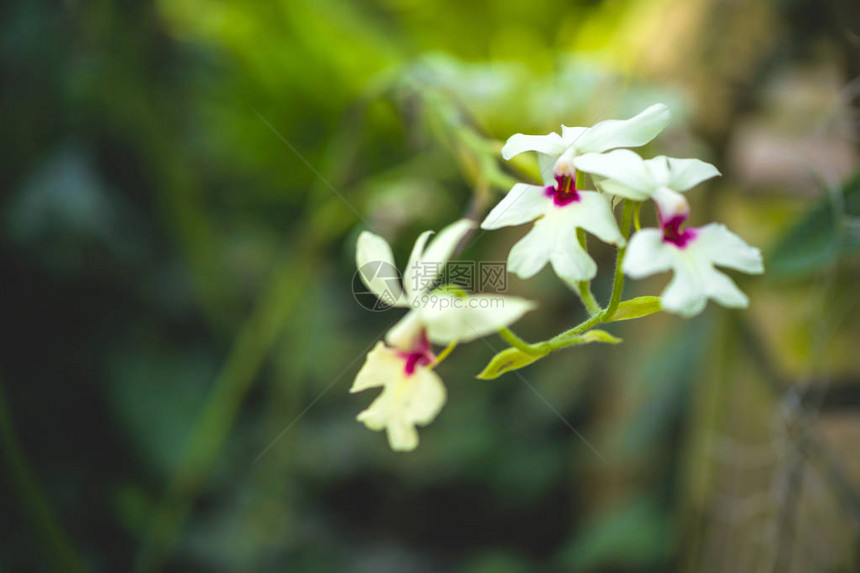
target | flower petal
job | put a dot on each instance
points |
(570, 135)
(443, 245)
(633, 132)
(546, 164)
(405, 333)
(451, 318)
(723, 290)
(722, 247)
(522, 204)
(375, 263)
(532, 252)
(381, 365)
(671, 204)
(621, 165)
(427, 397)
(687, 173)
(414, 275)
(647, 254)
(421, 398)
(658, 167)
(570, 261)
(374, 416)
(593, 213)
(404, 402)
(685, 295)
(402, 436)
(551, 144)
(618, 190)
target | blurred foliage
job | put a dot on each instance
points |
(830, 232)
(182, 185)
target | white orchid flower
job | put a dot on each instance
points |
(692, 254)
(624, 174)
(560, 210)
(557, 152)
(442, 317)
(559, 207)
(412, 393)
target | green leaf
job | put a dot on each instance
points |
(586, 338)
(822, 238)
(596, 336)
(637, 308)
(507, 360)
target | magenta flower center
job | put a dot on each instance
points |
(672, 232)
(564, 191)
(420, 355)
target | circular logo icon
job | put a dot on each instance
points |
(382, 275)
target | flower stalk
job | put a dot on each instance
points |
(618, 280)
(444, 354)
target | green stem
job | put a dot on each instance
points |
(618, 280)
(444, 354)
(583, 288)
(55, 545)
(579, 180)
(517, 342)
(558, 340)
(636, 212)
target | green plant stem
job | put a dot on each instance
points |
(584, 292)
(636, 212)
(559, 340)
(579, 180)
(444, 354)
(583, 288)
(519, 343)
(55, 544)
(618, 280)
(478, 157)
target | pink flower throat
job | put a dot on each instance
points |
(420, 355)
(672, 232)
(564, 191)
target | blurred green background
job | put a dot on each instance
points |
(182, 186)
